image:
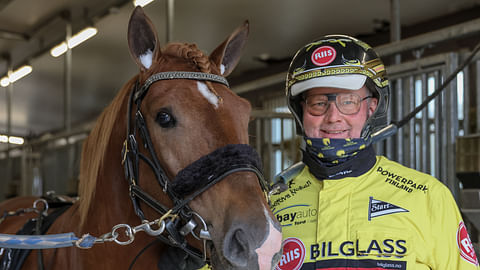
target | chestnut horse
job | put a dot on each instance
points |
(186, 151)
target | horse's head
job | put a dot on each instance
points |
(195, 130)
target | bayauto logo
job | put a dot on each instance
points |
(465, 245)
(323, 55)
(293, 254)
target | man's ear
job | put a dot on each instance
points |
(372, 106)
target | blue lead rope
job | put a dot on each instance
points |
(45, 241)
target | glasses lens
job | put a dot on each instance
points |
(317, 104)
(348, 103)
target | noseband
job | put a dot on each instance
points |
(190, 181)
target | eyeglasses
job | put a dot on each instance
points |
(347, 103)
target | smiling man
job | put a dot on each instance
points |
(348, 208)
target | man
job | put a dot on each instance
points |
(348, 208)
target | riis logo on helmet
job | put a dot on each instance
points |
(323, 55)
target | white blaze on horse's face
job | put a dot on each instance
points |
(271, 246)
(146, 58)
(212, 98)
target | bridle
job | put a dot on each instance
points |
(190, 181)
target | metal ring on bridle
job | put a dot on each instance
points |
(45, 206)
(128, 232)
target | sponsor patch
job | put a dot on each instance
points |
(323, 55)
(378, 208)
(293, 254)
(297, 214)
(465, 245)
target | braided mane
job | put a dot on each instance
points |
(193, 54)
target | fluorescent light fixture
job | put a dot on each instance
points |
(81, 36)
(4, 82)
(16, 75)
(11, 139)
(20, 73)
(74, 41)
(59, 49)
(16, 140)
(141, 3)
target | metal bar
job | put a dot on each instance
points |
(430, 38)
(424, 141)
(452, 126)
(440, 129)
(466, 99)
(67, 80)
(267, 127)
(411, 138)
(395, 26)
(258, 135)
(282, 148)
(399, 113)
(8, 96)
(170, 19)
(437, 128)
(477, 84)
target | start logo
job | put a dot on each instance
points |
(465, 245)
(293, 254)
(323, 56)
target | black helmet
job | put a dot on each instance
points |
(338, 61)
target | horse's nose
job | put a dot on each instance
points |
(236, 248)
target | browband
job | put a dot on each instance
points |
(169, 75)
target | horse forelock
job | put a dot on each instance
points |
(193, 54)
(96, 146)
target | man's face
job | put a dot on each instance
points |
(333, 123)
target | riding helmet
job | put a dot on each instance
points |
(338, 61)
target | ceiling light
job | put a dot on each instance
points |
(11, 139)
(59, 49)
(20, 73)
(81, 36)
(16, 140)
(74, 41)
(141, 3)
(16, 75)
(4, 82)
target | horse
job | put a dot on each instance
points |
(172, 147)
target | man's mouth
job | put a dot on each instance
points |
(334, 131)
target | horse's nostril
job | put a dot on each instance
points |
(236, 248)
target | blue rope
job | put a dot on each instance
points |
(44, 241)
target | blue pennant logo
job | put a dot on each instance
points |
(378, 208)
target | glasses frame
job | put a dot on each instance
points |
(333, 98)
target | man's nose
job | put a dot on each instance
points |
(332, 114)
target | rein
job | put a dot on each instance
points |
(189, 182)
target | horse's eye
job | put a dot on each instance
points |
(165, 119)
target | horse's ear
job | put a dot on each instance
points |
(142, 39)
(227, 54)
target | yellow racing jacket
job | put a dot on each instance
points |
(391, 217)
